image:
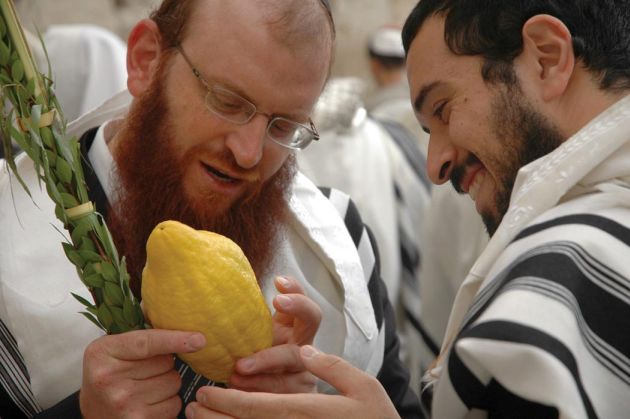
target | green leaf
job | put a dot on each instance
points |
(63, 171)
(30, 87)
(89, 269)
(5, 54)
(76, 259)
(117, 314)
(54, 194)
(87, 244)
(93, 281)
(109, 272)
(105, 316)
(68, 200)
(52, 158)
(20, 139)
(114, 329)
(73, 255)
(81, 229)
(63, 146)
(61, 188)
(3, 28)
(129, 312)
(113, 294)
(61, 214)
(47, 137)
(17, 71)
(90, 256)
(82, 300)
(93, 319)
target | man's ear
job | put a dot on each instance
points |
(143, 56)
(548, 55)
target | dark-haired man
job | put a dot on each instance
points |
(219, 97)
(528, 110)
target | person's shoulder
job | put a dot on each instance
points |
(592, 221)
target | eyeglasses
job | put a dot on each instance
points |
(238, 110)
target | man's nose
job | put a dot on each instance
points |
(247, 141)
(441, 158)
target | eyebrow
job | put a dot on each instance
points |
(418, 103)
(227, 85)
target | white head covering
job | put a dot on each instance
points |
(387, 42)
(89, 66)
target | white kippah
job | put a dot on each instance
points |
(387, 42)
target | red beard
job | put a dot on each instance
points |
(151, 191)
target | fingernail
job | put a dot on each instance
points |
(246, 364)
(284, 301)
(197, 341)
(309, 351)
(190, 413)
(285, 283)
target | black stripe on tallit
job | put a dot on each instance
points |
(16, 396)
(325, 191)
(354, 224)
(408, 145)
(475, 395)
(597, 305)
(507, 405)
(376, 286)
(611, 227)
(428, 341)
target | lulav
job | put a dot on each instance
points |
(35, 122)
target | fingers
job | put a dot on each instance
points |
(147, 368)
(302, 382)
(297, 312)
(235, 403)
(198, 411)
(283, 358)
(158, 389)
(288, 285)
(169, 408)
(278, 369)
(143, 344)
(339, 373)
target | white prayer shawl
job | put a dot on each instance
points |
(586, 178)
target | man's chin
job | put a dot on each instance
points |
(491, 221)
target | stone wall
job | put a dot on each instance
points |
(354, 19)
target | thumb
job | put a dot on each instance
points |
(340, 374)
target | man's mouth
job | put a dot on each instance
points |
(219, 175)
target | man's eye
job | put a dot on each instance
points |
(225, 102)
(226, 105)
(283, 129)
(439, 111)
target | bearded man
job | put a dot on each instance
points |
(528, 108)
(219, 97)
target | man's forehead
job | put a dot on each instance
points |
(427, 52)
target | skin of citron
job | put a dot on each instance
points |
(201, 281)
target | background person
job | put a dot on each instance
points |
(389, 101)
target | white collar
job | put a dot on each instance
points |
(102, 162)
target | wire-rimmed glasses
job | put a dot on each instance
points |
(236, 109)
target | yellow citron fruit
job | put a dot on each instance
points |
(201, 281)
